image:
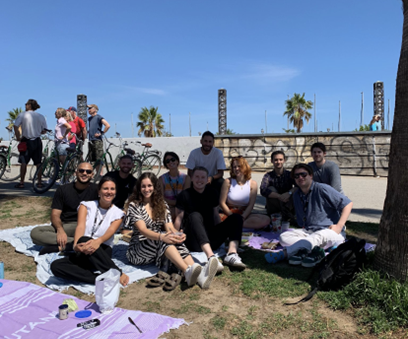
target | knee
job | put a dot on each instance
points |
(237, 219)
(195, 218)
(83, 239)
(35, 235)
(55, 267)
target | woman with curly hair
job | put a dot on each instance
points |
(238, 195)
(149, 215)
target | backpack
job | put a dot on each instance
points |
(338, 268)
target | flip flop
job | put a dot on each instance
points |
(19, 185)
(158, 280)
(171, 283)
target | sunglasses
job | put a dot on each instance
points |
(170, 160)
(303, 175)
(82, 171)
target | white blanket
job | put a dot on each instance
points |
(20, 239)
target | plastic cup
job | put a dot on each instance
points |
(285, 226)
(276, 222)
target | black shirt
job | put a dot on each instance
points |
(124, 187)
(191, 201)
(67, 199)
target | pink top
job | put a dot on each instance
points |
(60, 130)
(73, 131)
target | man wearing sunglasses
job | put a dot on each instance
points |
(322, 212)
(60, 235)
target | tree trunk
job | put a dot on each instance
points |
(391, 254)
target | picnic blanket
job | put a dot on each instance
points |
(31, 311)
(20, 239)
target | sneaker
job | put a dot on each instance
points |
(220, 268)
(297, 259)
(314, 257)
(234, 260)
(274, 257)
(208, 273)
(191, 274)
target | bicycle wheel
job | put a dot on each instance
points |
(3, 164)
(12, 171)
(33, 169)
(151, 163)
(137, 168)
(69, 172)
(48, 170)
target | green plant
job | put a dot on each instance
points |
(150, 122)
(297, 110)
(13, 114)
(362, 128)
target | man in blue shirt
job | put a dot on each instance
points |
(322, 212)
(96, 122)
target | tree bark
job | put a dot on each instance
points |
(391, 254)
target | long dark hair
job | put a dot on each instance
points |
(102, 181)
(156, 201)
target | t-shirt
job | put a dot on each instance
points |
(60, 130)
(172, 186)
(124, 187)
(79, 124)
(282, 183)
(320, 208)
(98, 220)
(95, 126)
(191, 201)
(73, 131)
(328, 174)
(213, 161)
(32, 124)
(67, 199)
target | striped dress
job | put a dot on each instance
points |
(144, 251)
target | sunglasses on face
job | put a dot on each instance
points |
(82, 171)
(170, 160)
(303, 175)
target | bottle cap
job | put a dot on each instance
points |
(83, 314)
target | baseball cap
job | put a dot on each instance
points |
(71, 108)
(95, 106)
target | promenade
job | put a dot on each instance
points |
(367, 194)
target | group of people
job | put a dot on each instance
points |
(69, 128)
(169, 217)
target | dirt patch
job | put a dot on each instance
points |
(223, 311)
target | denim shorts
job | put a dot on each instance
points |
(62, 149)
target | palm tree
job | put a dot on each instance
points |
(296, 110)
(391, 253)
(13, 114)
(150, 122)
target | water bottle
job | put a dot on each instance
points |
(1, 270)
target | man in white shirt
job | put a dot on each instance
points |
(210, 158)
(32, 124)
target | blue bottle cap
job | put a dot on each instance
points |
(83, 314)
(1, 285)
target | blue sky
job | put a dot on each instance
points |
(174, 54)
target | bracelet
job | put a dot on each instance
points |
(159, 236)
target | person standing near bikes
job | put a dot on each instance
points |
(96, 123)
(32, 124)
(79, 124)
(62, 130)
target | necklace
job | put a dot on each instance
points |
(97, 225)
(240, 185)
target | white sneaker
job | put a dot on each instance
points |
(208, 273)
(220, 268)
(191, 274)
(234, 260)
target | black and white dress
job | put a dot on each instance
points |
(144, 251)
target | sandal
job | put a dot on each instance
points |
(19, 185)
(171, 283)
(158, 280)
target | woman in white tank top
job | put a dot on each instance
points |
(238, 195)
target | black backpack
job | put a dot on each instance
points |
(338, 268)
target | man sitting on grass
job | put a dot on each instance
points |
(64, 212)
(322, 212)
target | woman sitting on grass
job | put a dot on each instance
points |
(173, 182)
(238, 195)
(97, 223)
(149, 215)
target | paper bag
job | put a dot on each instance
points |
(107, 288)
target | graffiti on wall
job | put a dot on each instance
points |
(356, 154)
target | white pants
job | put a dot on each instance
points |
(300, 238)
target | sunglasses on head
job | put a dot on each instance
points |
(82, 171)
(170, 160)
(302, 174)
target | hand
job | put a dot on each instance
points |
(61, 238)
(60, 138)
(96, 135)
(336, 228)
(124, 279)
(179, 238)
(284, 197)
(210, 180)
(92, 245)
(168, 238)
(80, 247)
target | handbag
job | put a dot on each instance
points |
(22, 146)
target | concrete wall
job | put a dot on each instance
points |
(356, 153)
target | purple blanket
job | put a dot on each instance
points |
(31, 311)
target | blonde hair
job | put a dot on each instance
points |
(61, 112)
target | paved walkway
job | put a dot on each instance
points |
(367, 194)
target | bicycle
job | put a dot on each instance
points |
(51, 169)
(150, 159)
(44, 154)
(12, 169)
(3, 164)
